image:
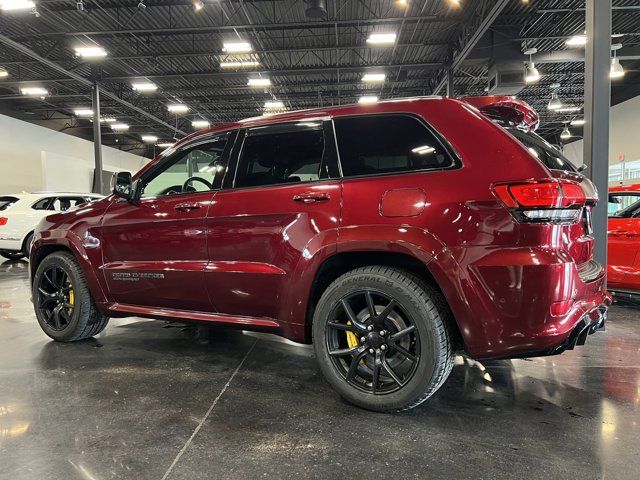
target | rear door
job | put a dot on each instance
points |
(155, 248)
(281, 207)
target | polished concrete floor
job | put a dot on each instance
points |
(147, 400)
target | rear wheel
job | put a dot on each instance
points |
(11, 255)
(26, 247)
(381, 338)
(63, 303)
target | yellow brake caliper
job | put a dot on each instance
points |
(352, 341)
(71, 299)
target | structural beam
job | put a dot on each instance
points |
(82, 80)
(597, 99)
(97, 140)
(460, 57)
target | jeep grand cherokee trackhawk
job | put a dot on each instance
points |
(389, 235)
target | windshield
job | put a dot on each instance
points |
(550, 156)
(6, 202)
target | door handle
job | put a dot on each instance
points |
(311, 197)
(187, 207)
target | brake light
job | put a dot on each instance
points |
(3, 221)
(542, 201)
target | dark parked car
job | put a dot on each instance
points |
(390, 235)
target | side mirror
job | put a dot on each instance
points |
(121, 185)
(583, 167)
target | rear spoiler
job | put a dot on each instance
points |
(506, 110)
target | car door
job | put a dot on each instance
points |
(623, 246)
(280, 209)
(155, 247)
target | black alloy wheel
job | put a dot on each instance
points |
(55, 298)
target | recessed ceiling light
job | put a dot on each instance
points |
(149, 138)
(90, 52)
(273, 105)
(200, 124)
(119, 126)
(259, 82)
(144, 86)
(177, 108)
(373, 77)
(577, 122)
(83, 112)
(34, 91)
(368, 99)
(236, 47)
(381, 38)
(3, 73)
(240, 64)
(577, 41)
(16, 4)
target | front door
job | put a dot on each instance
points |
(155, 248)
(281, 209)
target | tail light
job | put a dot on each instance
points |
(557, 201)
(3, 221)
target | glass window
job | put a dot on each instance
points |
(545, 152)
(386, 144)
(6, 202)
(43, 204)
(620, 203)
(192, 170)
(281, 154)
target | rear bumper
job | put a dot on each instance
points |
(10, 243)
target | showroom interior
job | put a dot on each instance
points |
(93, 91)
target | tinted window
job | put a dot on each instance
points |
(43, 204)
(6, 202)
(544, 151)
(192, 170)
(387, 143)
(623, 204)
(281, 154)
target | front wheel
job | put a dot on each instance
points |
(63, 303)
(381, 338)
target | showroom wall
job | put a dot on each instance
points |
(624, 147)
(36, 158)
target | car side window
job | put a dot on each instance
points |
(281, 154)
(194, 169)
(43, 204)
(379, 144)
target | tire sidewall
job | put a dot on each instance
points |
(414, 304)
(26, 250)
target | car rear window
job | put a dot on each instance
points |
(550, 156)
(379, 144)
(6, 202)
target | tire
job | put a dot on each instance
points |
(362, 378)
(11, 255)
(26, 247)
(59, 283)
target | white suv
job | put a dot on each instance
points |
(21, 213)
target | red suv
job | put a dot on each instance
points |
(389, 235)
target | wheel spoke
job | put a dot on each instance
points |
(370, 305)
(375, 378)
(352, 316)
(49, 279)
(56, 317)
(387, 310)
(343, 352)
(54, 278)
(342, 326)
(391, 373)
(354, 363)
(403, 332)
(405, 352)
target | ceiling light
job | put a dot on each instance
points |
(533, 75)
(554, 103)
(165, 144)
(3, 73)
(149, 138)
(565, 133)
(200, 124)
(259, 82)
(34, 91)
(373, 77)
(8, 5)
(141, 5)
(568, 108)
(240, 64)
(236, 47)
(198, 5)
(107, 120)
(273, 105)
(381, 38)
(144, 86)
(90, 52)
(577, 122)
(83, 112)
(577, 41)
(616, 71)
(455, 3)
(368, 99)
(177, 108)
(119, 126)
(402, 3)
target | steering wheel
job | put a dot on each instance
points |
(186, 185)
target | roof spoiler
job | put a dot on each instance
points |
(506, 110)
